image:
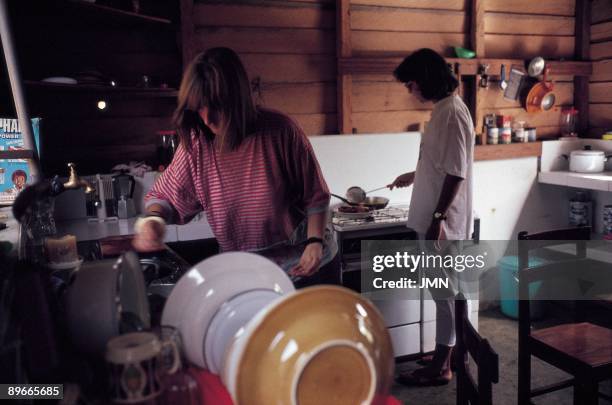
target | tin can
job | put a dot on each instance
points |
(531, 134)
(493, 136)
(580, 210)
(519, 135)
(504, 121)
(506, 135)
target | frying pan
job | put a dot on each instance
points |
(540, 97)
(372, 203)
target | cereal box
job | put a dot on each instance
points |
(14, 173)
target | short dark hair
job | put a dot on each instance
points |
(215, 79)
(430, 72)
(18, 173)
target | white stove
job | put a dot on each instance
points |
(386, 217)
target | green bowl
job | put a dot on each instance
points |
(464, 53)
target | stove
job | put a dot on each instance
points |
(396, 215)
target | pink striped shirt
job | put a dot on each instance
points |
(254, 196)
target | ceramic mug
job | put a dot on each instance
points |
(137, 367)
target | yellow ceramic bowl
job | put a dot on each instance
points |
(320, 345)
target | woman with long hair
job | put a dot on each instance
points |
(251, 170)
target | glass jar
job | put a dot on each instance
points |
(569, 122)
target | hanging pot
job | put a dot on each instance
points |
(540, 97)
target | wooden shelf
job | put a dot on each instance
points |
(376, 63)
(509, 151)
(136, 92)
(105, 13)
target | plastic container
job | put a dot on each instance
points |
(508, 287)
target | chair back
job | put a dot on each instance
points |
(485, 358)
(565, 268)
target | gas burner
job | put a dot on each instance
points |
(389, 216)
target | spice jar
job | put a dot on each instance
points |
(493, 135)
(518, 132)
(505, 135)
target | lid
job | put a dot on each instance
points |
(587, 153)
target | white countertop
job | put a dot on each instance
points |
(85, 229)
(592, 181)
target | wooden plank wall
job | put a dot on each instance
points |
(600, 86)
(513, 29)
(288, 48)
(58, 41)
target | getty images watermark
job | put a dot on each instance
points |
(439, 264)
(559, 270)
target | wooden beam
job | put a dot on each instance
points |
(385, 63)
(510, 151)
(582, 52)
(345, 81)
(187, 32)
(477, 29)
(477, 35)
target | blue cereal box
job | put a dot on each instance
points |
(14, 173)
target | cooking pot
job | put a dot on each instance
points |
(587, 160)
(540, 97)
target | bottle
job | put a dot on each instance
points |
(580, 209)
(518, 132)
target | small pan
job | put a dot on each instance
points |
(540, 96)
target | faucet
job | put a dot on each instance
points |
(74, 182)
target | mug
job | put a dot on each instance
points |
(136, 367)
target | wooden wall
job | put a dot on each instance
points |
(58, 39)
(513, 29)
(600, 87)
(288, 48)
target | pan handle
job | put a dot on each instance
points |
(343, 199)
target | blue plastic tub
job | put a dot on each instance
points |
(508, 287)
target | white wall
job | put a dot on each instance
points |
(507, 197)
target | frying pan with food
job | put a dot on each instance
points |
(372, 203)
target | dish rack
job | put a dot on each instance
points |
(106, 180)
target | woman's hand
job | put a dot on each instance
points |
(309, 262)
(404, 180)
(149, 236)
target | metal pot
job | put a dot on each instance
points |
(587, 160)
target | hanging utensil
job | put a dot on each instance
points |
(541, 96)
(503, 84)
(484, 78)
(536, 66)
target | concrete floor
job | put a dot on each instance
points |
(502, 333)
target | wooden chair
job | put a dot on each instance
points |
(581, 349)
(470, 341)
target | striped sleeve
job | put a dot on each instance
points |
(174, 189)
(305, 174)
